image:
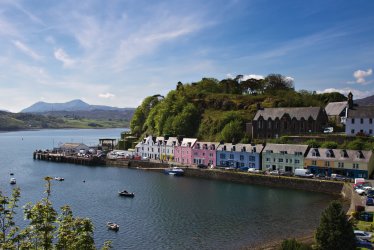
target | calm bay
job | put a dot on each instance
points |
(167, 212)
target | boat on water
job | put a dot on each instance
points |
(13, 181)
(112, 226)
(126, 194)
(174, 171)
(59, 179)
(12, 173)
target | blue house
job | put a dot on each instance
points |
(242, 156)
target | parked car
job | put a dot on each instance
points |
(363, 244)
(253, 170)
(274, 172)
(202, 166)
(370, 193)
(328, 130)
(243, 169)
(362, 235)
(369, 201)
(360, 191)
(338, 177)
(303, 173)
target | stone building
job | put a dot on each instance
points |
(275, 122)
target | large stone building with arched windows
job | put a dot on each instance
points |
(275, 122)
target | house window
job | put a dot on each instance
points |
(370, 120)
(280, 160)
(353, 120)
(327, 163)
(242, 164)
(314, 163)
(352, 131)
(252, 158)
(267, 159)
(297, 161)
(269, 124)
(242, 157)
(361, 120)
(370, 131)
(231, 156)
(222, 156)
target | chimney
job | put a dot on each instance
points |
(350, 100)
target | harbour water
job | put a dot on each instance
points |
(167, 212)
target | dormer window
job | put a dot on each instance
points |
(283, 152)
(298, 153)
(360, 155)
(330, 153)
(224, 148)
(315, 152)
(344, 153)
(198, 145)
(233, 148)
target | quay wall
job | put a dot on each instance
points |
(321, 186)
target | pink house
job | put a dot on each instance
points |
(204, 153)
(183, 151)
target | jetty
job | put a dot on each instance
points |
(74, 159)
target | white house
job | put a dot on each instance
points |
(360, 120)
(148, 148)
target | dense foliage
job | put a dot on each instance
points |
(218, 110)
(292, 244)
(334, 230)
(47, 229)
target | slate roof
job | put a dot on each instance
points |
(239, 147)
(186, 141)
(209, 144)
(298, 113)
(361, 112)
(289, 148)
(335, 108)
(339, 155)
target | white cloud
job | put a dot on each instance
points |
(253, 76)
(62, 56)
(360, 75)
(28, 51)
(106, 95)
(357, 94)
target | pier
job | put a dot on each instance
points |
(57, 157)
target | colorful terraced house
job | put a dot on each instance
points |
(204, 153)
(349, 163)
(239, 155)
(183, 151)
(283, 157)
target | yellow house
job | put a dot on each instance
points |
(349, 163)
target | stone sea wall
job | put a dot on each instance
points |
(314, 185)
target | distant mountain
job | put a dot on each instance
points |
(74, 105)
(367, 101)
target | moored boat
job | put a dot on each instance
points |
(112, 226)
(59, 179)
(13, 181)
(174, 171)
(126, 194)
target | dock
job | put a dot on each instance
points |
(56, 157)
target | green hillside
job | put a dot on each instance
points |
(218, 110)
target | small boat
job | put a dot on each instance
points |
(11, 173)
(59, 179)
(13, 181)
(174, 171)
(125, 193)
(112, 226)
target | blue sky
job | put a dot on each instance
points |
(117, 52)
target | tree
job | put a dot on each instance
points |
(329, 145)
(313, 143)
(232, 132)
(334, 230)
(278, 82)
(46, 229)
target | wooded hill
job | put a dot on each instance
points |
(214, 110)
